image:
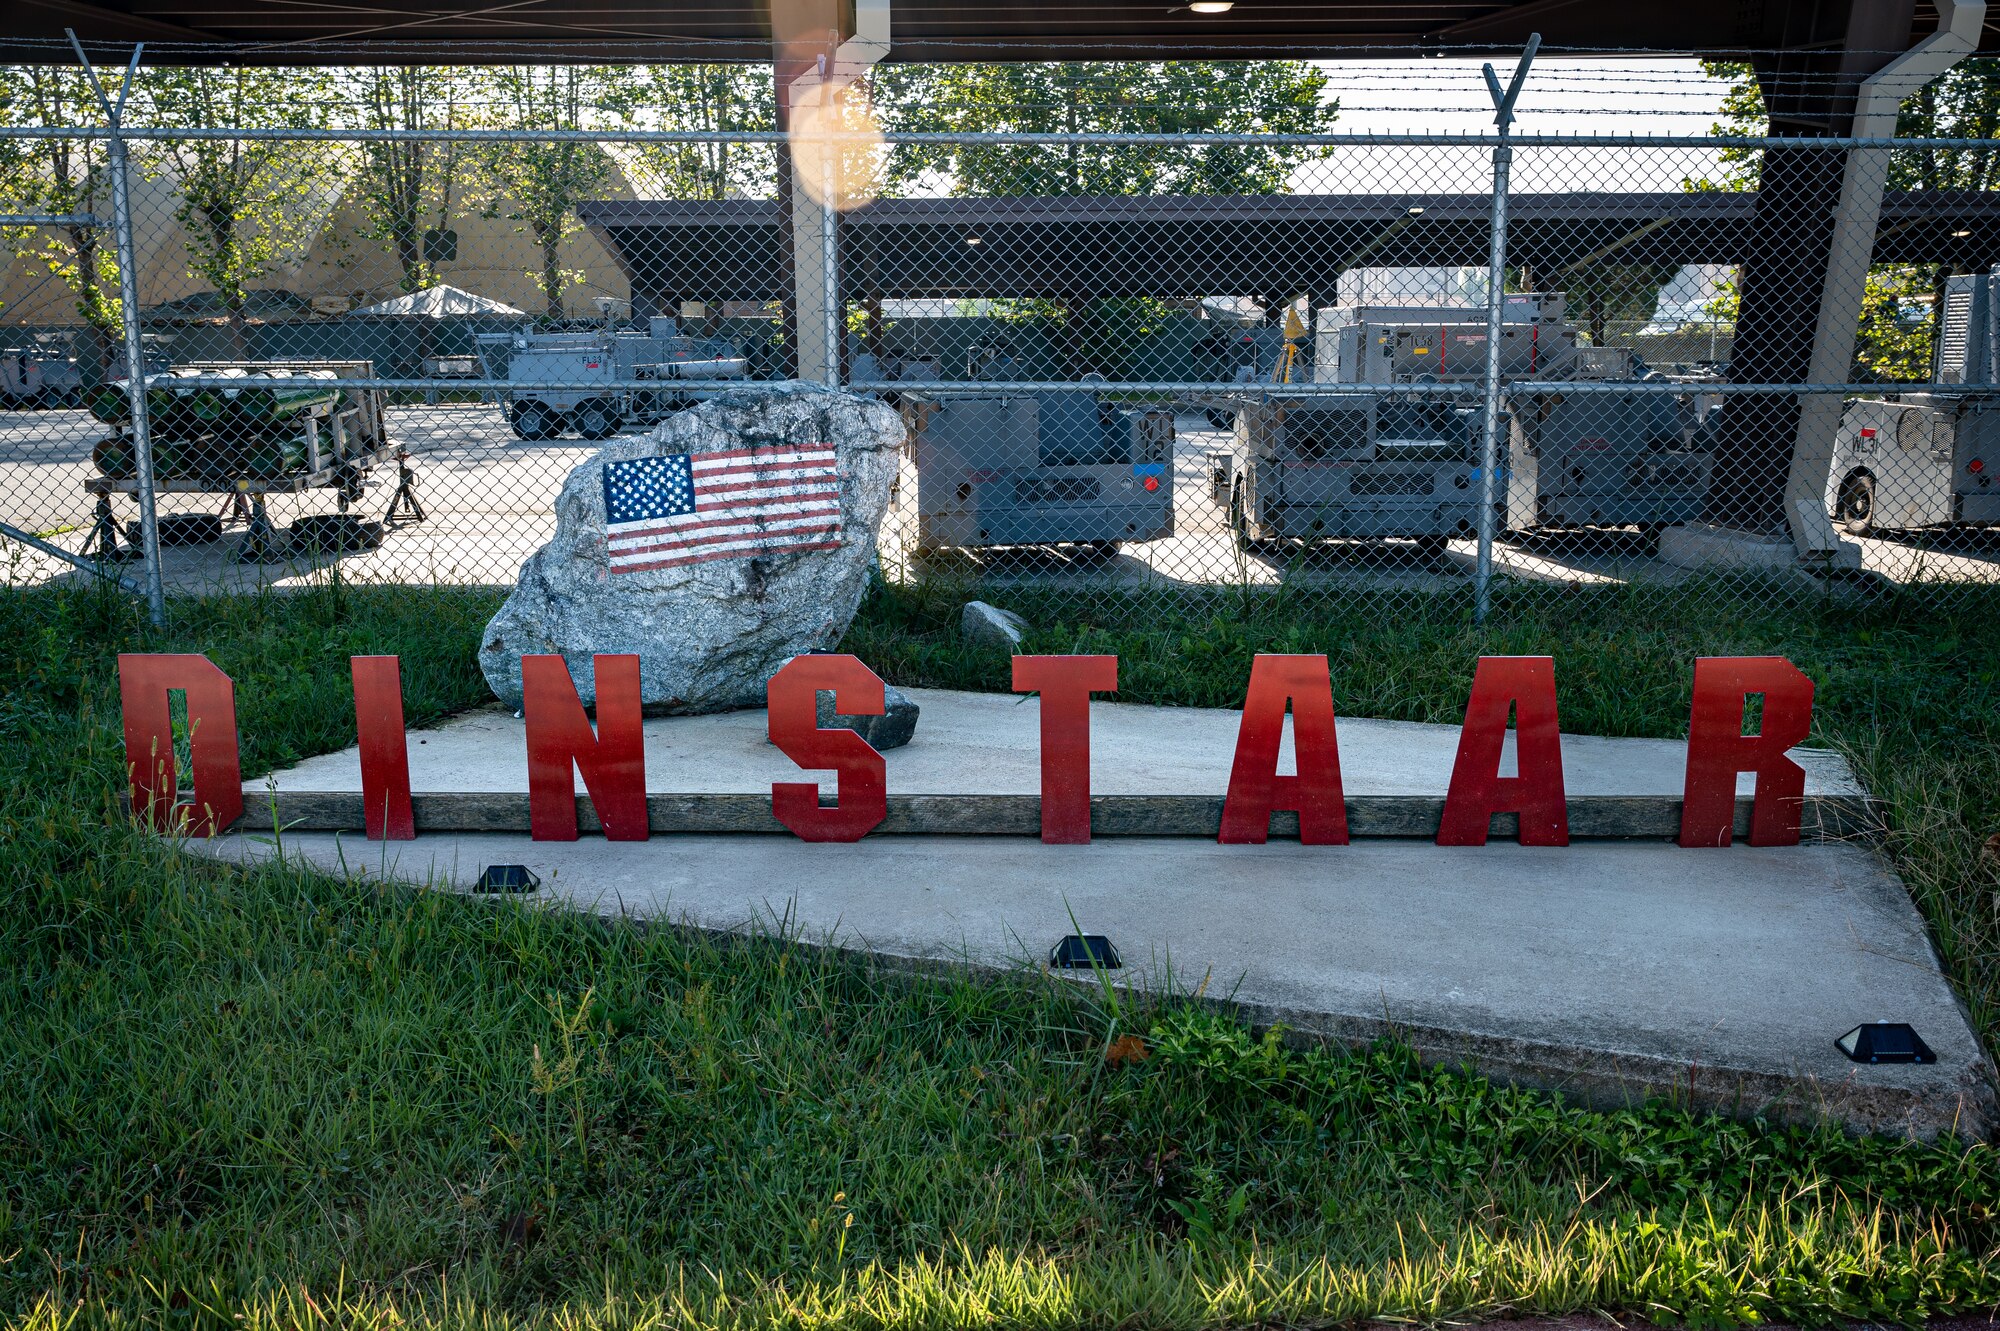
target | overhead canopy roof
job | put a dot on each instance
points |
(1206, 245)
(476, 31)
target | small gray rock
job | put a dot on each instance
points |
(989, 626)
(891, 730)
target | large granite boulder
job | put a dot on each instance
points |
(713, 592)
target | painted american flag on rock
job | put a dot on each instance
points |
(681, 508)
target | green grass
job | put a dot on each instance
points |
(271, 1098)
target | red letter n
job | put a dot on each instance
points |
(861, 786)
(1256, 789)
(612, 760)
(150, 767)
(1718, 750)
(1066, 683)
(1525, 685)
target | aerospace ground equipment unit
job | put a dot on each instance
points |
(1041, 469)
(1588, 457)
(1371, 465)
(1928, 459)
(1401, 344)
(247, 438)
(39, 376)
(1359, 466)
(552, 376)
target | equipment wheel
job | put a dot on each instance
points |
(533, 420)
(596, 420)
(1220, 419)
(1432, 550)
(1856, 509)
(1096, 552)
(1239, 521)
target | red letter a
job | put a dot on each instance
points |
(1718, 750)
(1255, 787)
(143, 682)
(1527, 686)
(613, 760)
(861, 788)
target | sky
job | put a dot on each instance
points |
(1448, 96)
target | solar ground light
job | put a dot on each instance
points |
(507, 878)
(1085, 952)
(1885, 1042)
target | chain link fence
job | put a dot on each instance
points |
(1412, 367)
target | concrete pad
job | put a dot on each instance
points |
(975, 768)
(1611, 971)
(1706, 545)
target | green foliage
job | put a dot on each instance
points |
(243, 205)
(1170, 97)
(706, 97)
(61, 176)
(538, 183)
(405, 185)
(1900, 307)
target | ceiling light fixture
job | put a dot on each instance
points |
(1960, 235)
(1206, 6)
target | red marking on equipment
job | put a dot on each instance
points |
(1976, 465)
(1868, 432)
(1153, 482)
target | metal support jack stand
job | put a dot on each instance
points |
(261, 543)
(1496, 300)
(104, 536)
(405, 498)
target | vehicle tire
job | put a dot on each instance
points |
(533, 420)
(1432, 551)
(1856, 509)
(1239, 521)
(596, 420)
(1221, 420)
(1096, 552)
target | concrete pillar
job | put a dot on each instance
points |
(1793, 286)
(1865, 173)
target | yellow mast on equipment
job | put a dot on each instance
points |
(1288, 359)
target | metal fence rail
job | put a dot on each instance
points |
(1410, 367)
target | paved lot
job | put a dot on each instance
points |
(489, 501)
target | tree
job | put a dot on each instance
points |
(1896, 336)
(244, 203)
(65, 177)
(1603, 292)
(1170, 97)
(543, 181)
(404, 184)
(707, 97)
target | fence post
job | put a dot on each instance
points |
(128, 316)
(829, 254)
(1496, 301)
